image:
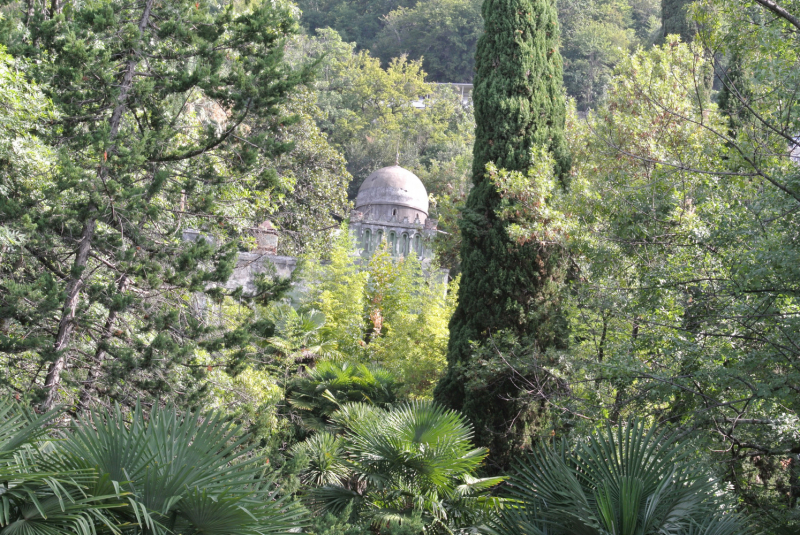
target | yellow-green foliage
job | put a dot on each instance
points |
(416, 311)
(252, 394)
(338, 292)
(386, 311)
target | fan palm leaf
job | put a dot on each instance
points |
(418, 438)
(624, 481)
(191, 472)
(411, 461)
(40, 493)
(300, 335)
(327, 463)
(331, 384)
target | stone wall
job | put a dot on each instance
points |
(250, 265)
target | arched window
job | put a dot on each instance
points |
(367, 240)
(404, 246)
(392, 243)
(380, 239)
(418, 245)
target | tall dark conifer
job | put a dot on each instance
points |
(507, 287)
(734, 95)
(674, 19)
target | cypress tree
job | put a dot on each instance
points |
(674, 19)
(734, 94)
(167, 119)
(507, 287)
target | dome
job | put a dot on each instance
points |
(393, 186)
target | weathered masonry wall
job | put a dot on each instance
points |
(250, 265)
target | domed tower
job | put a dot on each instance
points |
(392, 206)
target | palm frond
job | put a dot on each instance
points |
(628, 481)
(327, 465)
(412, 460)
(180, 469)
(335, 499)
(42, 493)
(721, 524)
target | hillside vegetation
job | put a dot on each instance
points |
(605, 340)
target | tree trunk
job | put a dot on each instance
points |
(99, 355)
(75, 285)
(29, 12)
(68, 314)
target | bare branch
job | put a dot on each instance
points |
(781, 12)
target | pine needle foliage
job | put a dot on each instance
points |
(507, 286)
(166, 118)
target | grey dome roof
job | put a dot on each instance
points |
(393, 185)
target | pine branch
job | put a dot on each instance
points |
(75, 285)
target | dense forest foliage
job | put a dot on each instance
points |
(607, 339)
(596, 35)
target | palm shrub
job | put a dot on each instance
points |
(415, 461)
(39, 493)
(320, 392)
(184, 474)
(330, 524)
(624, 481)
(300, 337)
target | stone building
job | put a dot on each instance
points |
(392, 208)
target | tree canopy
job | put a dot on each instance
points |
(606, 339)
(146, 142)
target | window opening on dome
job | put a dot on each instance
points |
(394, 212)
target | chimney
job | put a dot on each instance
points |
(266, 238)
